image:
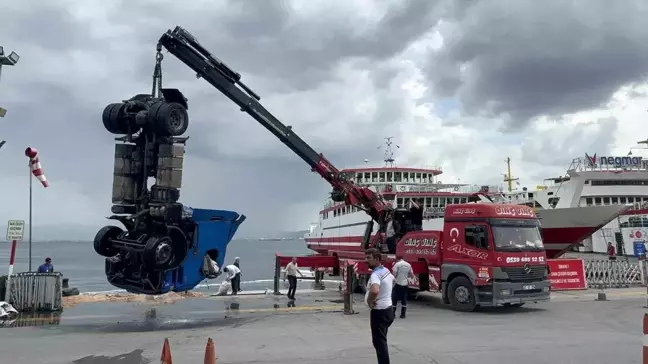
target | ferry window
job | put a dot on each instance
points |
(382, 176)
(367, 177)
(530, 194)
(442, 201)
(405, 176)
(374, 176)
(418, 177)
(399, 202)
(428, 202)
(476, 236)
(464, 200)
(456, 200)
(630, 199)
(435, 202)
(622, 199)
(334, 213)
(597, 200)
(425, 178)
(588, 201)
(606, 200)
(553, 201)
(390, 177)
(397, 176)
(615, 200)
(359, 177)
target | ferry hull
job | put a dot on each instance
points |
(562, 229)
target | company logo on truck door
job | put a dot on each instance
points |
(472, 253)
(626, 161)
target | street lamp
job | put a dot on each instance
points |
(9, 60)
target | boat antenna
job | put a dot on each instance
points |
(389, 155)
(507, 177)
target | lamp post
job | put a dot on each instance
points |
(7, 60)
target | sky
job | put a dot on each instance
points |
(458, 84)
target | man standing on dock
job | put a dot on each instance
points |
(233, 274)
(401, 271)
(291, 274)
(237, 263)
(378, 298)
(47, 267)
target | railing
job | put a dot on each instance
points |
(35, 291)
(614, 273)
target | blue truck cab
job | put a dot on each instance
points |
(173, 258)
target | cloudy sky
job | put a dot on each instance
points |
(460, 84)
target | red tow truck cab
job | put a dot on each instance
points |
(486, 255)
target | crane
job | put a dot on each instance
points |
(188, 50)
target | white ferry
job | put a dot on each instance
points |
(564, 224)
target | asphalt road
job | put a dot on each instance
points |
(573, 328)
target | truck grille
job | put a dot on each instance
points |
(518, 274)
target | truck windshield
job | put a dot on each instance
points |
(517, 238)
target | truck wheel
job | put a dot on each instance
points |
(112, 118)
(158, 253)
(170, 118)
(103, 240)
(461, 293)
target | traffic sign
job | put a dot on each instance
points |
(15, 230)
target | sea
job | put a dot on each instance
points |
(78, 261)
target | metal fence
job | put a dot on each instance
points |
(36, 291)
(614, 273)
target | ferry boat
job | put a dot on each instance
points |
(598, 181)
(342, 227)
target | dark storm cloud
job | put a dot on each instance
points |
(523, 59)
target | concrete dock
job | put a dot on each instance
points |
(572, 328)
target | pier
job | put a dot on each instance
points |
(265, 328)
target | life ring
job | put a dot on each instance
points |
(456, 189)
(402, 188)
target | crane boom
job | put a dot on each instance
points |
(187, 49)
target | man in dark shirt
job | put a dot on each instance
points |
(416, 210)
(47, 267)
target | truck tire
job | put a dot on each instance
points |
(112, 118)
(103, 240)
(461, 294)
(158, 253)
(169, 118)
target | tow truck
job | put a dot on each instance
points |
(476, 260)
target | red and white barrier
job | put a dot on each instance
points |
(645, 339)
(36, 168)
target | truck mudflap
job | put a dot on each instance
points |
(502, 293)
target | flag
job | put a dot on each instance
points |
(36, 168)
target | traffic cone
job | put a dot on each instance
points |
(165, 358)
(210, 353)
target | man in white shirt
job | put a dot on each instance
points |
(379, 291)
(291, 274)
(233, 274)
(401, 271)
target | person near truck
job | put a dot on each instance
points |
(233, 273)
(291, 274)
(416, 214)
(390, 236)
(401, 271)
(378, 298)
(237, 263)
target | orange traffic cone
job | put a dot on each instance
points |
(210, 353)
(166, 353)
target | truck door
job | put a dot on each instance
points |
(477, 245)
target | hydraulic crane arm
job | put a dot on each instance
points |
(187, 49)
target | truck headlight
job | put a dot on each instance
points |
(506, 292)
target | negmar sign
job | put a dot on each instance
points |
(627, 161)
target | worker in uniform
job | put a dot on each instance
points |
(611, 251)
(233, 274)
(237, 263)
(291, 274)
(378, 298)
(401, 271)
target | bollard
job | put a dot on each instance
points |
(277, 275)
(601, 295)
(348, 291)
(645, 339)
(165, 358)
(210, 352)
